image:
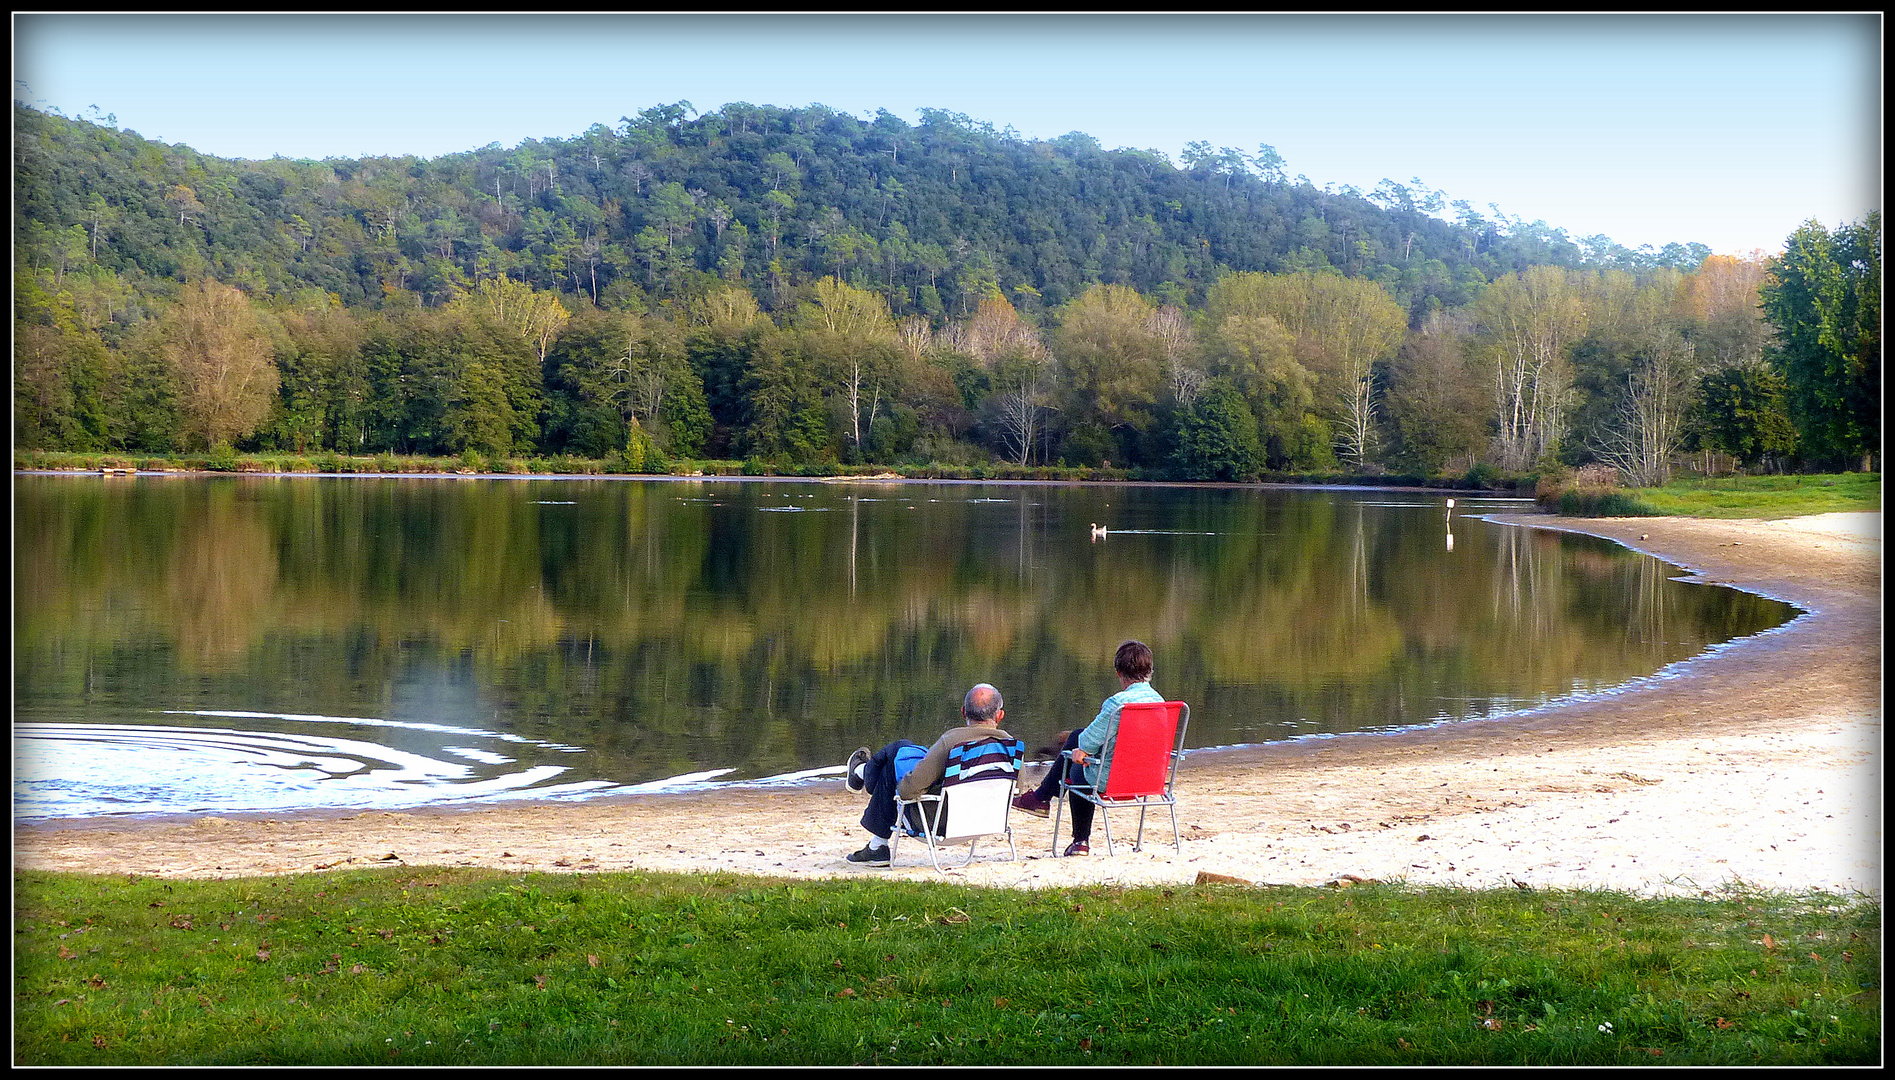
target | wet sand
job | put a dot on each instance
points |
(1758, 763)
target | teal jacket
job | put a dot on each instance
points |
(1099, 736)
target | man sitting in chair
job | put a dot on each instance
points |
(1091, 746)
(903, 767)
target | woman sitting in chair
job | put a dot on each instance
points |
(1091, 746)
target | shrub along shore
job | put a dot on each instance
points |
(474, 966)
(1477, 479)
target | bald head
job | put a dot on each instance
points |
(982, 705)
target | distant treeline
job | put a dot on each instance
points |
(799, 285)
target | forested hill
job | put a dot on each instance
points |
(663, 205)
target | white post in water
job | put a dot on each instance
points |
(1450, 524)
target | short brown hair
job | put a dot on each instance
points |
(1133, 660)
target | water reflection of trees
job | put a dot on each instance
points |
(665, 621)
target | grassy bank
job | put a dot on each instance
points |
(1764, 497)
(1482, 479)
(434, 966)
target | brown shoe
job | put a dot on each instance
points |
(1031, 802)
(1078, 847)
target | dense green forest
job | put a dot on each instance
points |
(802, 285)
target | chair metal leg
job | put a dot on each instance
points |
(934, 850)
(1176, 840)
(1105, 822)
(1059, 804)
(1139, 844)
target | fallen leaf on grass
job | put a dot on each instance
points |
(98, 1041)
(262, 955)
(845, 992)
(1493, 1023)
(1767, 943)
(592, 960)
(1721, 1024)
(66, 954)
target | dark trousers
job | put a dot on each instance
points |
(879, 773)
(1049, 790)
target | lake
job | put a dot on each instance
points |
(243, 643)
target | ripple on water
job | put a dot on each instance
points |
(84, 770)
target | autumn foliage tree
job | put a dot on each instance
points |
(224, 363)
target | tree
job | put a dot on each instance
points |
(1531, 320)
(1742, 412)
(1342, 328)
(1723, 299)
(1438, 401)
(1217, 437)
(1022, 395)
(225, 365)
(1182, 371)
(853, 338)
(784, 414)
(1649, 426)
(536, 317)
(1111, 358)
(1361, 326)
(1823, 295)
(1019, 370)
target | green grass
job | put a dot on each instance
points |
(477, 967)
(1765, 496)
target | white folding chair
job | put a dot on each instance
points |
(975, 800)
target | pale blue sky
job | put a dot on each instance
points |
(1725, 130)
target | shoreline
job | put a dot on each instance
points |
(1758, 762)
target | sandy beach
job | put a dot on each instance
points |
(1759, 763)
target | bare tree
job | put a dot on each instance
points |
(1185, 375)
(1649, 426)
(856, 335)
(1532, 319)
(1023, 389)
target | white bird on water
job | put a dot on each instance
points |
(1098, 530)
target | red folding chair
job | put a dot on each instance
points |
(1145, 755)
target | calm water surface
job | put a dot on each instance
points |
(254, 643)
